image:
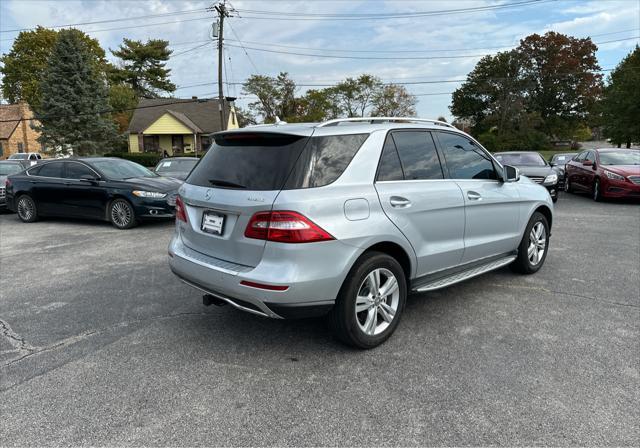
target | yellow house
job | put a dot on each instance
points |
(176, 126)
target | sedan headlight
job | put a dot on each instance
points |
(614, 176)
(149, 194)
(551, 179)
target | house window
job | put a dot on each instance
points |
(20, 147)
(151, 143)
(1, 149)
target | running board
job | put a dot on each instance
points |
(443, 282)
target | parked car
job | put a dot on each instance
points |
(111, 189)
(535, 167)
(31, 157)
(295, 220)
(7, 167)
(176, 167)
(605, 173)
(558, 162)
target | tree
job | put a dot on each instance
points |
(24, 66)
(74, 99)
(244, 117)
(318, 105)
(143, 67)
(562, 86)
(621, 103)
(122, 100)
(276, 96)
(355, 96)
(547, 80)
(394, 101)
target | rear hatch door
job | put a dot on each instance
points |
(241, 174)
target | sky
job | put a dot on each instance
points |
(421, 50)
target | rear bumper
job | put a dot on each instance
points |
(313, 274)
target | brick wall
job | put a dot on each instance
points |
(23, 134)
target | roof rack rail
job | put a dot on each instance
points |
(373, 120)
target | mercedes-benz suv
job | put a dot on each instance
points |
(348, 216)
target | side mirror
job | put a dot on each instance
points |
(510, 174)
(587, 163)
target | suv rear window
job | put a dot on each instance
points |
(265, 161)
(323, 160)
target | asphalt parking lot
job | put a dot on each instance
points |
(101, 345)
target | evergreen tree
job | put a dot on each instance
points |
(74, 100)
(143, 67)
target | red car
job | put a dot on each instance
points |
(605, 173)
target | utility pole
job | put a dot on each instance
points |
(222, 13)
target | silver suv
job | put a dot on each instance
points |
(348, 216)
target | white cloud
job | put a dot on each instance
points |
(459, 31)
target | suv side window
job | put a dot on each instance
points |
(590, 156)
(465, 159)
(51, 169)
(418, 155)
(390, 167)
(76, 170)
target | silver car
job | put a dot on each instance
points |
(348, 216)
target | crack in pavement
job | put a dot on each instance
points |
(18, 342)
(572, 294)
(31, 350)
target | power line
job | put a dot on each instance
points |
(190, 49)
(243, 48)
(283, 15)
(121, 19)
(336, 50)
(392, 57)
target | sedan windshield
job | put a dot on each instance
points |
(176, 166)
(19, 156)
(121, 169)
(10, 168)
(561, 159)
(620, 158)
(521, 159)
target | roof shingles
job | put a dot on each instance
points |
(203, 116)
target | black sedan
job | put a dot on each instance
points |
(559, 162)
(176, 167)
(115, 190)
(534, 166)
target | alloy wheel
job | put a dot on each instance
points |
(377, 301)
(537, 243)
(121, 214)
(26, 208)
(596, 190)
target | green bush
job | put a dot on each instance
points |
(530, 140)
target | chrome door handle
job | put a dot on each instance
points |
(399, 202)
(473, 196)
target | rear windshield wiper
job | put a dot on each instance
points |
(224, 183)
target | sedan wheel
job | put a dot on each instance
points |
(597, 196)
(377, 301)
(121, 214)
(567, 187)
(26, 208)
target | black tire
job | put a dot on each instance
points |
(567, 185)
(26, 208)
(346, 324)
(122, 215)
(523, 264)
(596, 194)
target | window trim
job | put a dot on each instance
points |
(497, 166)
(445, 174)
(45, 164)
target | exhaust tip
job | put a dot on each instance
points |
(208, 300)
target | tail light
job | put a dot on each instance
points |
(284, 227)
(181, 211)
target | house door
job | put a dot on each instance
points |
(177, 144)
